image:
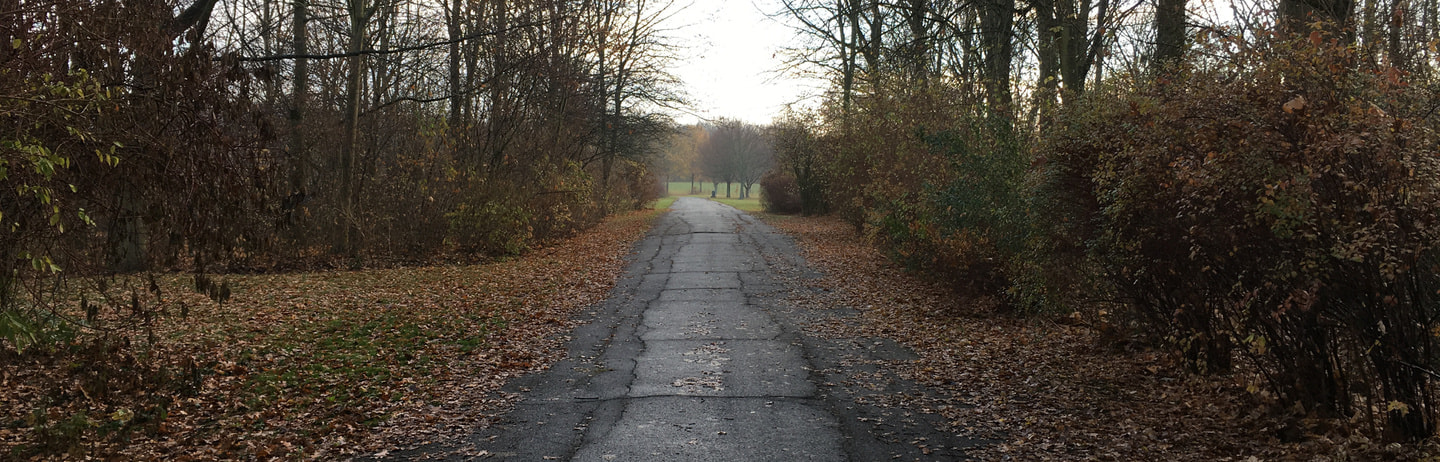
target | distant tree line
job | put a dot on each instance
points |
(726, 151)
(1253, 185)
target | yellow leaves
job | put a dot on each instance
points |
(1258, 344)
(109, 158)
(122, 415)
(41, 263)
(1394, 406)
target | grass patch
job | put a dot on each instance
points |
(664, 203)
(682, 188)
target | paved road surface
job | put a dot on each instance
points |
(697, 357)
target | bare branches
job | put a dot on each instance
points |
(372, 51)
(736, 151)
(196, 13)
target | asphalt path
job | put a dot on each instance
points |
(698, 355)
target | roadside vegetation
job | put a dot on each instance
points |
(1053, 387)
(1251, 195)
(249, 229)
(302, 365)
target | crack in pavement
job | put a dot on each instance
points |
(696, 355)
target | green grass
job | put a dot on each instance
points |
(663, 203)
(682, 188)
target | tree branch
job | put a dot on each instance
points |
(371, 51)
(200, 10)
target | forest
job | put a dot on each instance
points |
(259, 134)
(1251, 185)
(213, 138)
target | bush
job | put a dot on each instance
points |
(780, 193)
(491, 227)
(1285, 207)
(800, 154)
(969, 229)
(640, 186)
(492, 219)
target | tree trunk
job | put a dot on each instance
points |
(359, 16)
(1047, 48)
(1297, 15)
(1170, 41)
(1074, 26)
(850, 51)
(606, 125)
(1395, 49)
(471, 54)
(380, 65)
(497, 140)
(997, 24)
(917, 18)
(128, 233)
(874, 39)
(1369, 22)
(1079, 48)
(267, 39)
(299, 175)
(453, 28)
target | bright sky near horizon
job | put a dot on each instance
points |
(731, 61)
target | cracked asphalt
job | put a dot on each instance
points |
(697, 356)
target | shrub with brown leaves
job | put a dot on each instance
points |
(1286, 207)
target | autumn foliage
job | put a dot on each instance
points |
(144, 139)
(1273, 214)
(1292, 222)
(780, 193)
(319, 365)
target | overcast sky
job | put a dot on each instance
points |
(730, 59)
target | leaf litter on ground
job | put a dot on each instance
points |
(1037, 389)
(319, 365)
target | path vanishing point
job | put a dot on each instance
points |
(698, 356)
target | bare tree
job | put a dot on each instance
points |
(839, 36)
(682, 155)
(525, 89)
(735, 151)
(632, 55)
(300, 89)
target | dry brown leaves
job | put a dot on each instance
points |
(323, 365)
(1041, 390)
